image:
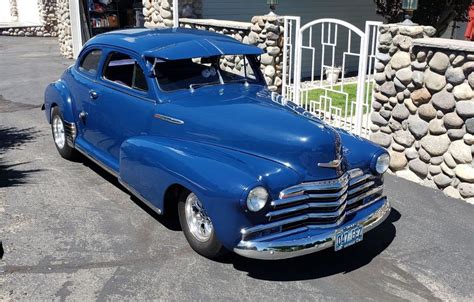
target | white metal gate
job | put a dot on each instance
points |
(314, 53)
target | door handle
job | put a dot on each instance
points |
(93, 94)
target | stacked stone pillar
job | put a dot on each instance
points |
(158, 13)
(13, 10)
(424, 108)
(267, 33)
(64, 28)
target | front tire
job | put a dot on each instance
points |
(197, 227)
(59, 135)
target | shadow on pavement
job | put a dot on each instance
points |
(165, 220)
(324, 263)
(13, 138)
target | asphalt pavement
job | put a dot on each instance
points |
(71, 232)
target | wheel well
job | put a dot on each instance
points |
(170, 203)
(51, 110)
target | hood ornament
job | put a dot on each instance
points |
(332, 164)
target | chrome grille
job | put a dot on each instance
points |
(320, 204)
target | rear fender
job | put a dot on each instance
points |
(57, 94)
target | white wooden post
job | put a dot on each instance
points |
(361, 83)
(289, 52)
(76, 27)
(175, 13)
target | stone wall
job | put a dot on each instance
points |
(158, 13)
(237, 30)
(265, 32)
(48, 16)
(424, 108)
(64, 28)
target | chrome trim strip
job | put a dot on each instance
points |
(328, 195)
(96, 161)
(359, 179)
(300, 229)
(355, 173)
(70, 131)
(332, 184)
(373, 191)
(332, 164)
(361, 207)
(139, 196)
(274, 250)
(168, 119)
(309, 205)
(290, 200)
(262, 227)
(361, 188)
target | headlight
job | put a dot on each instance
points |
(382, 163)
(257, 199)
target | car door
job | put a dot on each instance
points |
(120, 107)
(83, 84)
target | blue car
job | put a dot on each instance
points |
(184, 120)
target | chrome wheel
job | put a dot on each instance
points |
(199, 224)
(58, 132)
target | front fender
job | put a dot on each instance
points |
(359, 152)
(57, 94)
(219, 177)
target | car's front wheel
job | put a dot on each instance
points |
(59, 135)
(197, 227)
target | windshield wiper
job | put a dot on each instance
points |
(246, 82)
(193, 87)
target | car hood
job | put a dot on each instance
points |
(247, 120)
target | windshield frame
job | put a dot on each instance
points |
(253, 62)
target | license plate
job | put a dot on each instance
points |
(348, 236)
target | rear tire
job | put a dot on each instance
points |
(59, 135)
(197, 227)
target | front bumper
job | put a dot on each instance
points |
(313, 239)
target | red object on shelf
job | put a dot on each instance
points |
(470, 25)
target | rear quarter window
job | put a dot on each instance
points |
(90, 62)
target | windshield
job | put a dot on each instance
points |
(198, 72)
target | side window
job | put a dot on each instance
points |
(90, 63)
(122, 69)
(236, 67)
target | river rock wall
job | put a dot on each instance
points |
(424, 108)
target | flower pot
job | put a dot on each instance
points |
(332, 74)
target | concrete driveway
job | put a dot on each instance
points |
(70, 231)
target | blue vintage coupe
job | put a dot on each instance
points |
(184, 120)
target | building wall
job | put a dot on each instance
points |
(355, 12)
(5, 12)
(28, 12)
(40, 21)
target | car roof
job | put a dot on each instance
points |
(174, 43)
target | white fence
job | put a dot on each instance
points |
(313, 56)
